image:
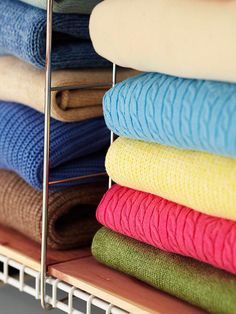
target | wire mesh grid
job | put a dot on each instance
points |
(60, 295)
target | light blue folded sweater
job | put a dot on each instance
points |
(185, 113)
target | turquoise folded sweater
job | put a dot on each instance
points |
(185, 113)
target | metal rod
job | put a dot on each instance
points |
(82, 86)
(78, 178)
(47, 113)
(114, 78)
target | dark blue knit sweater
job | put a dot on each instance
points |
(76, 148)
(22, 34)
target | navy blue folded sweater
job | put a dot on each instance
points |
(76, 148)
(22, 34)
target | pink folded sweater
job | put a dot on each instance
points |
(169, 226)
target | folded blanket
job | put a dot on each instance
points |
(202, 181)
(179, 37)
(23, 83)
(77, 149)
(184, 113)
(71, 216)
(23, 29)
(67, 6)
(197, 283)
(169, 226)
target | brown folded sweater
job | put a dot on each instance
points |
(23, 83)
(71, 217)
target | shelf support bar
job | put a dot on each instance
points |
(114, 79)
(47, 118)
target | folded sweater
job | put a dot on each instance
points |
(77, 148)
(201, 181)
(184, 113)
(200, 284)
(67, 6)
(169, 226)
(23, 83)
(23, 29)
(195, 39)
(71, 213)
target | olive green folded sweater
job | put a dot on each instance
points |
(67, 6)
(202, 285)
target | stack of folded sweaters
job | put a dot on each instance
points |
(170, 219)
(79, 136)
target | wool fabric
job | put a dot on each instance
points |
(192, 39)
(23, 33)
(23, 83)
(184, 113)
(71, 213)
(199, 180)
(169, 226)
(77, 149)
(67, 6)
(200, 284)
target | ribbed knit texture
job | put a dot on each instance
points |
(23, 29)
(76, 148)
(71, 214)
(192, 281)
(169, 226)
(201, 181)
(191, 114)
(67, 6)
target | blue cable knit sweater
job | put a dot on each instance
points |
(22, 34)
(76, 148)
(190, 114)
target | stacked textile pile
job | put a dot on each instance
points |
(170, 219)
(79, 136)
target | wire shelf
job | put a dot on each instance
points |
(72, 295)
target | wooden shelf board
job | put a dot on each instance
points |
(25, 251)
(118, 289)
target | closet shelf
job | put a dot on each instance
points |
(80, 276)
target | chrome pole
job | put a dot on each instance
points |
(114, 79)
(47, 116)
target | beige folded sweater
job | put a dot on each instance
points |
(186, 38)
(23, 83)
(71, 215)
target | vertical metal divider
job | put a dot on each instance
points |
(114, 79)
(46, 164)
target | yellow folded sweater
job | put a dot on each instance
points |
(202, 181)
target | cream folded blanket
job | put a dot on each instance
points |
(23, 83)
(201, 181)
(187, 38)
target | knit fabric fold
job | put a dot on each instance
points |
(194, 39)
(67, 6)
(23, 30)
(71, 214)
(200, 284)
(184, 113)
(77, 149)
(169, 226)
(23, 83)
(201, 181)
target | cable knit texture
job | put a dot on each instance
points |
(169, 226)
(67, 6)
(200, 284)
(202, 181)
(191, 114)
(23, 29)
(76, 148)
(71, 214)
